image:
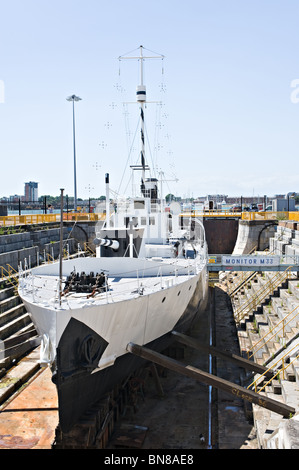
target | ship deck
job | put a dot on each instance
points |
(44, 290)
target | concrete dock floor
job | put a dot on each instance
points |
(30, 418)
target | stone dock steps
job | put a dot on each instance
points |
(19, 345)
(269, 335)
(18, 335)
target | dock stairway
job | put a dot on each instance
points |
(266, 311)
(19, 344)
(18, 336)
(17, 333)
(256, 290)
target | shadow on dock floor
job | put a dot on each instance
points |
(180, 419)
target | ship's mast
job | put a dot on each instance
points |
(141, 99)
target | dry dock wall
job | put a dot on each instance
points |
(225, 236)
(221, 234)
(34, 244)
(254, 235)
(31, 246)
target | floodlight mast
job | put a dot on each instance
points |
(74, 98)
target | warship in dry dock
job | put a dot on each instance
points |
(148, 278)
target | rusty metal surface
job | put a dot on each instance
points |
(30, 419)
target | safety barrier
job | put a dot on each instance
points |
(245, 215)
(211, 213)
(258, 297)
(281, 361)
(271, 215)
(11, 220)
(29, 219)
(9, 275)
(277, 328)
(243, 281)
(88, 249)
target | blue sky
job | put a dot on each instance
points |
(229, 123)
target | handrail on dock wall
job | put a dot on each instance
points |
(277, 330)
(243, 281)
(262, 293)
(282, 360)
(9, 274)
(88, 249)
(284, 368)
(9, 220)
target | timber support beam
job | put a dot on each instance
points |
(240, 361)
(210, 379)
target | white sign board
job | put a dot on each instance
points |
(253, 260)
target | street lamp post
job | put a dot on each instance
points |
(74, 98)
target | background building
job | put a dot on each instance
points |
(31, 191)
